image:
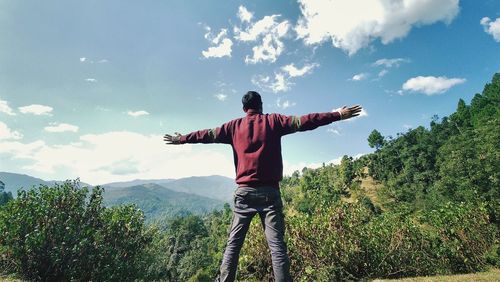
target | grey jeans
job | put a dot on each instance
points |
(249, 201)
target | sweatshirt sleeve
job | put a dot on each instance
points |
(220, 134)
(291, 124)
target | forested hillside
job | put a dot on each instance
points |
(157, 201)
(457, 159)
(425, 202)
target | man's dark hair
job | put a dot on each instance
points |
(252, 100)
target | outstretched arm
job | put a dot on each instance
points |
(291, 124)
(216, 135)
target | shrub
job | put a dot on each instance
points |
(349, 241)
(63, 233)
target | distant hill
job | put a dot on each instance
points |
(15, 181)
(214, 187)
(157, 200)
(137, 182)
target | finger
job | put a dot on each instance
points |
(177, 133)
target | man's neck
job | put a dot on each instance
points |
(253, 112)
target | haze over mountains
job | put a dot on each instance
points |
(155, 196)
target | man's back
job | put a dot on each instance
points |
(256, 146)
(256, 142)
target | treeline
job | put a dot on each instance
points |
(425, 202)
(456, 160)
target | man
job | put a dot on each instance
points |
(256, 143)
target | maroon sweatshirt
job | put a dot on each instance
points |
(256, 142)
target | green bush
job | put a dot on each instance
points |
(349, 241)
(63, 233)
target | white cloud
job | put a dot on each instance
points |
(271, 31)
(260, 28)
(137, 113)
(7, 134)
(491, 27)
(244, 15)
(333, 130)
(269, 50)
(294, 71)
(389, 63)
(102, 61)
(219, 37)
(5, 108)
(261, 81)
(382, 73)
(222, 44)
(359, 77)
(61, 127)
(83, 59)
(354, 24)
(222, 50)
(282, 79)
(431, 85)
(36, 109)
(91, 80)
(283, 104)
(220, 97)
(102, 158)
(280, 83)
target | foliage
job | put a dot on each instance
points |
(376, 140)
(63, 233)
(4, 196)
(457, 159)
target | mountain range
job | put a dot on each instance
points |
(155, 197)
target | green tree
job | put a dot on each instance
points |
(4, 196)
(376, 140)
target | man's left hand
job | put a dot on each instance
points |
(172, 139)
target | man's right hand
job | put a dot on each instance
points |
(172, 139)
(346, 113)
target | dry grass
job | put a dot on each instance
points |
(492, 275)
(370, 188)
(3, 279)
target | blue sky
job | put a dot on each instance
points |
(88, 88)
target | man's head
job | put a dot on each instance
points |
(252, 100)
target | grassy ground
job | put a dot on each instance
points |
(492, 275)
